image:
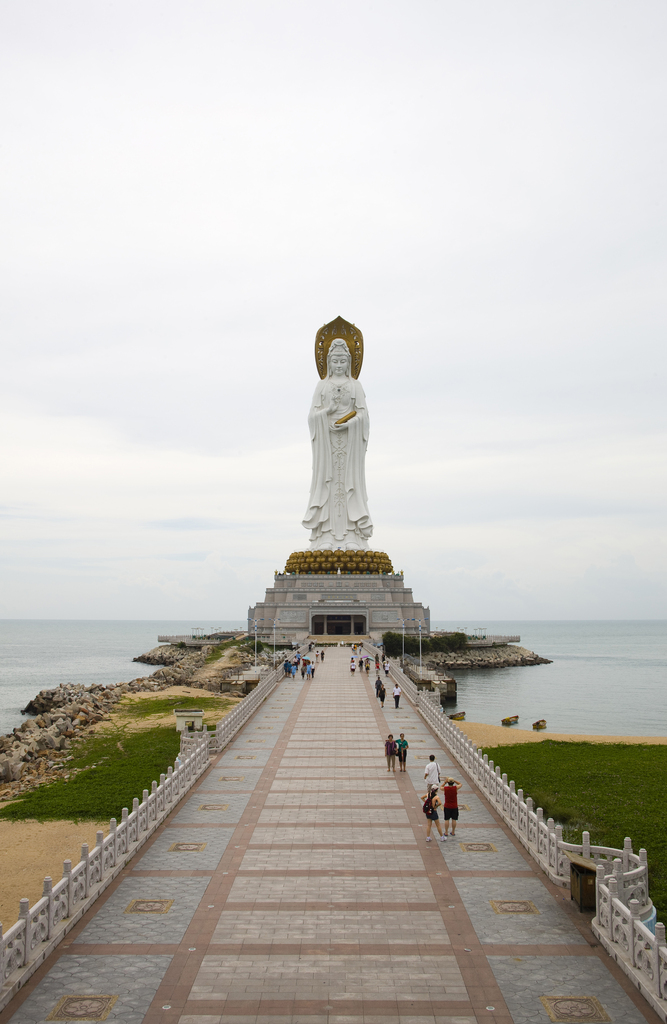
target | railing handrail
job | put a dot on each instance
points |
(622, 894)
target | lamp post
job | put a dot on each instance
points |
(274, 644)
(420, 647)
(403, 642)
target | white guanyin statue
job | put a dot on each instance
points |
(337, 514)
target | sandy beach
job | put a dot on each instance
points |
(506, 735)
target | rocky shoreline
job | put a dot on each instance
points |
(36, 751)
(502, 656)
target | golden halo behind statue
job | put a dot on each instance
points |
(352, 337)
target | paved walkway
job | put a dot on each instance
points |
(294, 884)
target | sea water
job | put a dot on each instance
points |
(38, 654)
(606, 677)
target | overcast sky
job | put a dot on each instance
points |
(190, 190)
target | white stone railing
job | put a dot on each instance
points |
(622, 896)
(543, 839)
(40, 928)
(641, 954)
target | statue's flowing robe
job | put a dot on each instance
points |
(323, 516)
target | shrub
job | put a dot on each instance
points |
(393, 643)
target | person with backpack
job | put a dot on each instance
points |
(450, 791)
(430, 805)
(390, 749)
(382, 693)
(432, 772)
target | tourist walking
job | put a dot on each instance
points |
(382, 693)
(390, 749)
(293, 671)
(450, 792)
(287, 667)
(312, 671)
(386, 669)
(402, 745)
(396, 693)
(303, 669)
(378, 684)
(430, 805)
(353, 666)
(309, 671)
(322, 655)
(432, 772)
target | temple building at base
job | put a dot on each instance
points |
(337, 606)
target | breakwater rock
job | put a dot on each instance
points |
(60, 714)
(188, 666)
(502, 656)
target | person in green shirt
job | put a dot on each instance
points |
(402, 745)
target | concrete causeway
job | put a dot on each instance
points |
(293, 885)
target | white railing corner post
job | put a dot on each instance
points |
(586, 845)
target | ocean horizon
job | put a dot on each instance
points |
(607, 676)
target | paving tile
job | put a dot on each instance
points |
(523, 980)
(232, 807)
(159, 857)
(330, 977)
(327, 926)
(333, 836)
(113, 925)
(331, 889)
(550, 925)
(332, 860)
(134, 979)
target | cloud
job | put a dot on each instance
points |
(187, 523)
(190, 193)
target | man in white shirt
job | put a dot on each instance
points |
(432, 772)
(396, 692)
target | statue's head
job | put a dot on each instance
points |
(339, 361)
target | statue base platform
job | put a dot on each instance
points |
(336, 607)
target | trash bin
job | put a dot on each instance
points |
(582, 881)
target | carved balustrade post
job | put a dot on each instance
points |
(85, 857)
(24, 912)
(634, 907)
(47, 892)
(113, 833)
(599, 880)
(67, 873)
(643, 860)
(627, 850)
(585, 844)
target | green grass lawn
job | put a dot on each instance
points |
(119, 774)
(115, 764)
(612, 789)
